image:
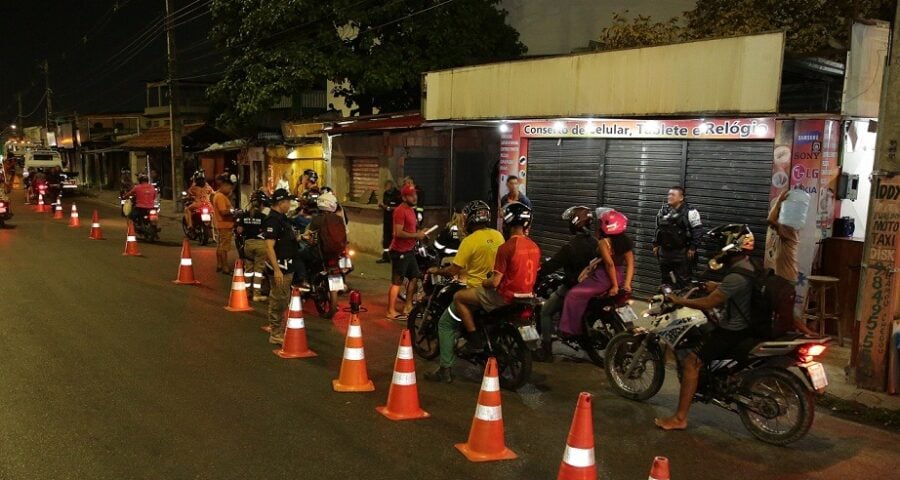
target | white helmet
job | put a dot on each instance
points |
(327, 202)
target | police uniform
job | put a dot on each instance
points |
(677, 231)
(253, 250)
(278, 227)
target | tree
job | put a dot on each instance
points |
(374, 51)
(640, 31)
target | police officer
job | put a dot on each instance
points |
(390, 200)
(678, 234)
(281, 249)
(251, 245)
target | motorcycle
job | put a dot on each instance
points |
(5, 212)
(201, 229)
(775, 404)
(509, 330)
(328, 282)
(40, 187)
(603, 318)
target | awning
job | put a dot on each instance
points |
(400, 121)
(228, 146)
(160, 137)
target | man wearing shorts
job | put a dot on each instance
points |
(223, 212)
(403, 253)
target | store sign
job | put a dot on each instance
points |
(700, 129)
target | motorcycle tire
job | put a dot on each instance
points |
(790, 389)
(423, 329)
(188, 232)
(322, 299)
(513, 357)
(594, 342)
(203, 234)
(618, 353)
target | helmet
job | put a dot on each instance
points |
(199, 174)
(311, 175)
(327, 190)
(327, 202)
(260, 198)
(516, 214)
(477, 213)
(732, 239)
(610, 222)
(579, 218)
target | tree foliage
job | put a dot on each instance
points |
(374, 50)
(812, 27)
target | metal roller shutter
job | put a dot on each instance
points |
(429, 175)
(566, 172)
(729, 182)
(639, 174)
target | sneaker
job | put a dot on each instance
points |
(442, 375)
(276, 338)
(260, 298)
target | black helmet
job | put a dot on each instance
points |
(328, 190)
(311, 175)
(730, 240)
(516, 214)
(579, 219)
(477, 213)
(260, 198)
(199, 174)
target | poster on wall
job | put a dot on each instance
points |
(806, 166)
(879, 294)
(781, 179)
(513, 159)
(829, 207)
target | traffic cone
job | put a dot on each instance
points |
(41, 208)
(660, 469)
(186, 268)
(57, 211)
(578, 460)
(238, 301)
(486, 441)
(131, 246)
(96, 232)
(295, 344)
(73, 217)
(353, 377)
(403, 397)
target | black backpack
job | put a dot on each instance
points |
(772, 302)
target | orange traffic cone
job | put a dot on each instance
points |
(486, 441)
(354, 377)
(41, 208)
(73, 217)
(57, 211)
(131, 246)
(186, 268)
(295, 344)
(660, 469)
(238, 301)
(578, 460)
(96, 232)
(403, 397)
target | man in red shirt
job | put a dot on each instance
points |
(403, 252)
(515, 272)
(144, 197)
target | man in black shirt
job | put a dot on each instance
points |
(678, 234)
(252, 247)
(389, 201)
(281, 249)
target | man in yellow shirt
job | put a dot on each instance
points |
(223, 214)
(476, 259)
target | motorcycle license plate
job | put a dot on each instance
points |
(205, 217)
(345, 263)
(817, 376)
(627, 314)
(335, 283)
(529, 333)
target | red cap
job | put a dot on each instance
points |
(408, 190)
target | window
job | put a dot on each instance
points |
(428, 173)
(363, 178)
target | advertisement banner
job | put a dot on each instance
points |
(781, 177)
(878, 295)
(829, 207)
(692, 129)
(806, 165)
(513, 159)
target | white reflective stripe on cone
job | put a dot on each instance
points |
(132, 238)
(238, 271)
(404, 379)
(351, 353)
(405, 353)
(238, 286)
(296, 323)
(186, 262)
(579, 457)
(490, 384)
(488, 414)
(74, 214)
(95, 225)
(355, 331)
(295, 303)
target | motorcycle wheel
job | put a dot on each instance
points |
(594, 341)
(783, 407)
(203, 234)
(647, 378)
(424, 332)
(323, 301)
(513, 357)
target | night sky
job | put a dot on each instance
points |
(100, 56)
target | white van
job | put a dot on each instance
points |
(47, 159)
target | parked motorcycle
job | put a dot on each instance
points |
(775, 404)
(201, 230)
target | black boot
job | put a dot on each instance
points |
(384, 258)
(474, 344)
(441, 375)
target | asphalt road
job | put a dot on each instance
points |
(110, 371)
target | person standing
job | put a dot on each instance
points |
(514, 195)
(281, 250)
(285, 180)
(402, 252)
(678, 234)
(249, 227)
(782, 244)
(390, 200)
(223, 214)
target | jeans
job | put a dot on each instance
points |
(448, 328)
(279, 298)
(580, 295)
(551, 307)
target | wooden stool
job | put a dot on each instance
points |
(819, 288)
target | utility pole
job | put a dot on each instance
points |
(879, 297)
(19, 118)
(174, 118)
(48, 94)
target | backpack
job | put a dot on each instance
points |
(332, 235)
(771, 304)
